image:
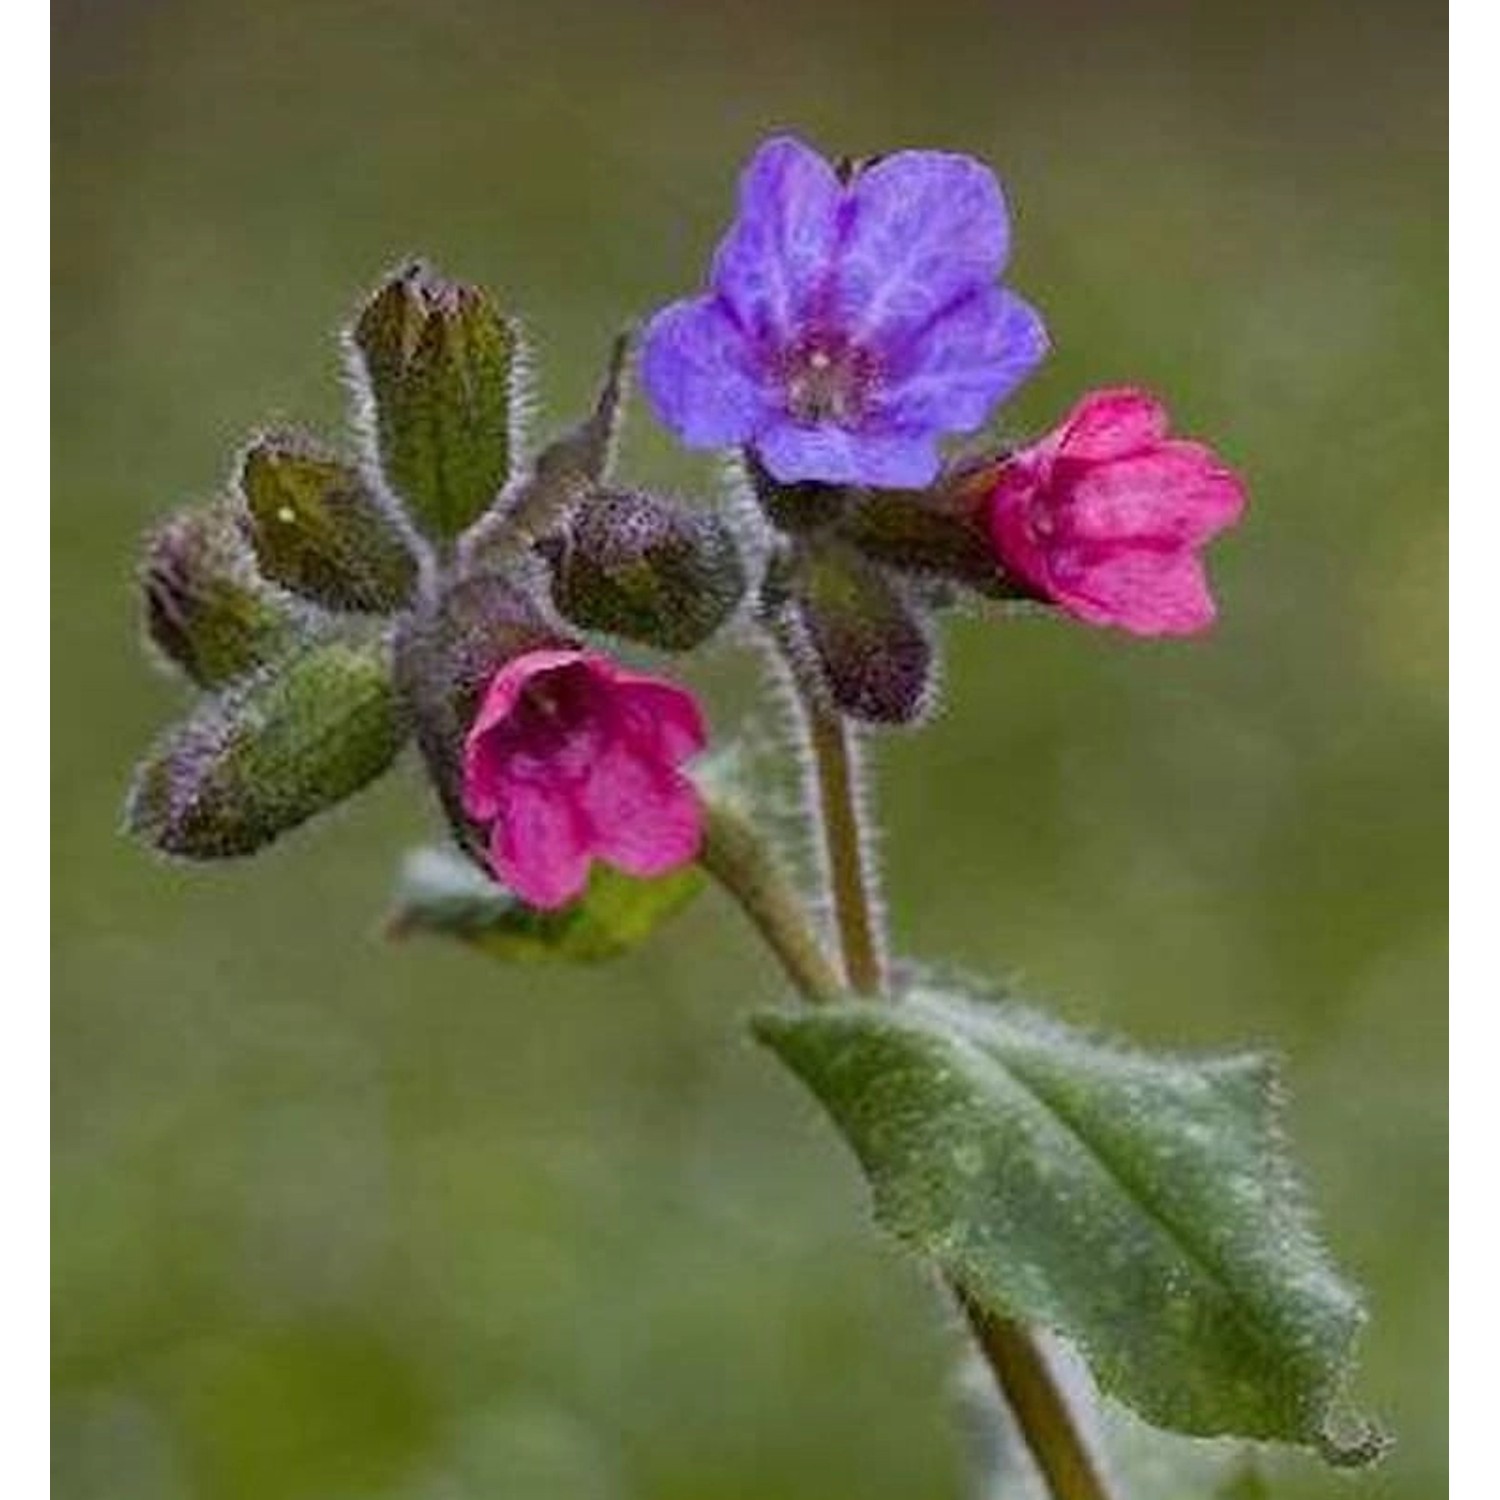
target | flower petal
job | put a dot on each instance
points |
(775, 259)
(950, 373)
(923, 228)
(667, 715)
(694, 368)
(893, 459)
(1144, 591)
(1176, 493)
(645, 817)
(539, 845)
(487, 746)
(1112, 424)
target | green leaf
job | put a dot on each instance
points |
(441, 893)
(1143, 1207)
(441, 365)
(205, 607)
(319, 530)
(269, 753)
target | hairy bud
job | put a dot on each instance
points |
(647, 569)
(441, 364)
(857, 631)
(269, 753)
(318, 530)
(205, 606)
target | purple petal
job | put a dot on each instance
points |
(777, 255)
(950, 374)
(694, 370)
(836, 455)
(924, 227)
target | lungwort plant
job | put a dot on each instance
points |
(439, 585)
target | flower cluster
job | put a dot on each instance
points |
(853, 318)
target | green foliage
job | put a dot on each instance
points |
(1142, 1207)
(204, 605)
(441, 365)
(318, 530)
(647, 569)
(269, 753)
(443, 894)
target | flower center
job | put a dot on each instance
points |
(556, 726)
(827, 379)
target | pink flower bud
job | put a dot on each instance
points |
(1106, 515)
(570, 759)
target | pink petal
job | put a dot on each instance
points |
(539, 846)
(486, 746)
(507, 685)
(667, 714)
(1011, 539)
(1144, 592)
(1176, 492)
(645, 816)
(1112, 424)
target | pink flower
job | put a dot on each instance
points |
(1106, 515)
(570, 759)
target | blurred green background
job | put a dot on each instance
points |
(340, 1219)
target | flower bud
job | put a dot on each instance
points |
(205, 607)
(647, 569)
(858, 632)
(441, 366)
(269, 753)
(318, 529)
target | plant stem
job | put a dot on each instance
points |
(844, 838)
(734, 854)
(1048, 1425)
(1038, 1404)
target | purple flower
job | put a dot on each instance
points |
(847, 325)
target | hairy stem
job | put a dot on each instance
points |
(843, 830)
(734, 855)
(1038, 1403)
